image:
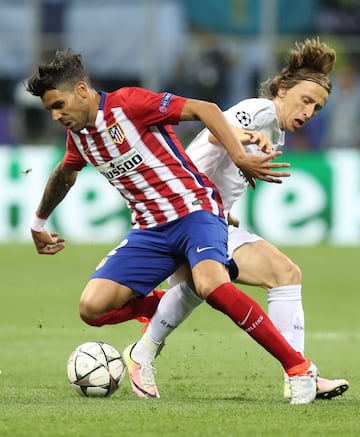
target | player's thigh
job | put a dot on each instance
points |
(262, 264)
(102, 295)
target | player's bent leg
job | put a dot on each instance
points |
(277, 269)
(248, 315)
(281, 277)
(284, 302)
(101, 296)
(141, 309)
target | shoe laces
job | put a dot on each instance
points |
(147, 371)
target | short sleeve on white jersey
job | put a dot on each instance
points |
(251, 114)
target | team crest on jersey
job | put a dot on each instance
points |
(116, 133)
(244, 118)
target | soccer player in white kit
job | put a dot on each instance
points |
(287, 102)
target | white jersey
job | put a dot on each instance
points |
(252, 114)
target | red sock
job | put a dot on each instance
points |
(136, 307)
(247, 314)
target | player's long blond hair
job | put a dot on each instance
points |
(311, 60)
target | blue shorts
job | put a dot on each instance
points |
(146, 257)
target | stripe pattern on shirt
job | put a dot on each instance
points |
(158, 180)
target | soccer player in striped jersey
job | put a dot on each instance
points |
(287, 102)
(177, 213)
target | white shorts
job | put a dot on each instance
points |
(239, 236)
(236, 238)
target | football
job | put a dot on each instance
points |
(95, 369)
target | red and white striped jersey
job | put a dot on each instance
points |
(136, 149)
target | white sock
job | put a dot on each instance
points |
(174, 307)
(286, 312)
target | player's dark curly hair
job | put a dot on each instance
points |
(64, 71)
(311, 60)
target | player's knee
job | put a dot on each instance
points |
(92, 322)
(204, 288)
(89, 310)
(202, 292)
(288, 274)
(297, 274)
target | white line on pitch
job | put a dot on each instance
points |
(333, 335)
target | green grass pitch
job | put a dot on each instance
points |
(213, 379)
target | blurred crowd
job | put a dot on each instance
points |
(206, 65)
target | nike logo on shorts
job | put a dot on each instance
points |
(202, 249)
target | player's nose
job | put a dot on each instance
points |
(55, 115)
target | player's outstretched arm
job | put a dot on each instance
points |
(247, 137)
(252, 166)
(59, 183)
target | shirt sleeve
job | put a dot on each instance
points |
(251, 114)
(72, 157)
(153, 108)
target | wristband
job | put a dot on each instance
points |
(37, 223)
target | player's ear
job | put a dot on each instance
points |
(82, 89)
(282, 89)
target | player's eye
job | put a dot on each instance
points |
(58, 105)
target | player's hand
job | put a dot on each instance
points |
(47, 243)
(261, 167)
(261, 140)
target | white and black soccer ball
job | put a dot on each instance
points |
(95, 369)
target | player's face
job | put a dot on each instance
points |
(70, 107)
(299, 104)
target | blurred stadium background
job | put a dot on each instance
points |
(219, 50)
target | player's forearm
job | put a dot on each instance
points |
(59, 183)
(241, 135)
(212, 117)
